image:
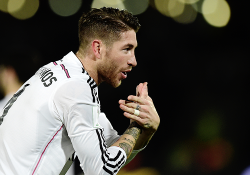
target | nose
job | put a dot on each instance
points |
(132, 61)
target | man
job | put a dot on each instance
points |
(56, 114)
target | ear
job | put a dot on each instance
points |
(96, 48)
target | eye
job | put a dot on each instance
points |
(127, 49)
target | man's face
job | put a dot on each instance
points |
(119, 59)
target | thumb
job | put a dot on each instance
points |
(144, 90)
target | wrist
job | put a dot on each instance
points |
(137, 126)
(148, 131)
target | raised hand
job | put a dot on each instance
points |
(140, 108)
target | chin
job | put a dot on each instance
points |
(120, 82)
(116, 85)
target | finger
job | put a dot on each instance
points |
(132, 111)
(124, 102)
(134, 106)
(121, 101)
(144, 91)
(139, 89)
(127, 109)
(144, 123)
(133, 117)
(136, 99)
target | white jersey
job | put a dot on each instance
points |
(5, 100)
(55, 114)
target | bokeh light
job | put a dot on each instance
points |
(136, 7)
(209, 126)
(108, 3)
(22, 9)
(181, 11)
(65, 7)
(112, 2)
(189, 1)
(170, 8)
(215, 152)
(181, 157)
(207, 151)
(161, 5)
(214, 155)
(175, 8)
(188, 16)
(4, 5)
(216, 12)
(198, 6)
(15, 5)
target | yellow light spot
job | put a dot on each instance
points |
(160, 5)
(170, 8)
(188, 1)
(23, 9)
(108, 3)
(198, 5)
(15, 5)
(216, 12)
(4, 5)
(188, 16)
(65, 7)
(136, 7)
(175, 8)
(112, 2)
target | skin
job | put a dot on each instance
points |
(107, 64)
(148, 119)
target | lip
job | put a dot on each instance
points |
(124, 73)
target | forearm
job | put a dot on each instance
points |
(129, 139)
(143, 139)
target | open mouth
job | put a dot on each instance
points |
(124, 75)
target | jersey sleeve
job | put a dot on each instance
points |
(112, 136)
(74, 107)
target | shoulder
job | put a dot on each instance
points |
(74, 91)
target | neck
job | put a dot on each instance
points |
(89, 65)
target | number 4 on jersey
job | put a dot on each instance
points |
(11, 101)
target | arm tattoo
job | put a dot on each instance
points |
(134, 132)
(134, 129)
(130, 141)
(126, 147)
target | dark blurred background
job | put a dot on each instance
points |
(196, 65)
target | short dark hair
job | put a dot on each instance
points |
(106, 24)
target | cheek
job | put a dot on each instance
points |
(115, 64)
(110, 69)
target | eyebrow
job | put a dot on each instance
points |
(131, 45)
